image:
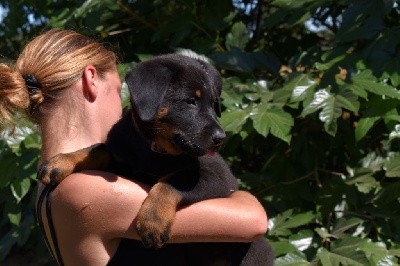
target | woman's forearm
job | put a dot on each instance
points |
(238, 218)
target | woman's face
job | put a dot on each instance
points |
(110, 101)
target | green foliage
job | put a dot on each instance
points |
(311, 107)
(18, 161)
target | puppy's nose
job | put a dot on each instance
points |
(218, 137)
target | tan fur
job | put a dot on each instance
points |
(157, 213)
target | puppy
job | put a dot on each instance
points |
(169, 140)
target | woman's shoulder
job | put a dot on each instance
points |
(96, 197)
(96, 185)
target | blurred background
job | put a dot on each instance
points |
(310, 105)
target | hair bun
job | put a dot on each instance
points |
(13, 93)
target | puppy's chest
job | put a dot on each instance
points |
(148, 167)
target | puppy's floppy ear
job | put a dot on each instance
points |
(148, 82)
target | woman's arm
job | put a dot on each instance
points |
(102, 203)
(238, 218)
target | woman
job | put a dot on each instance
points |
(68, 84)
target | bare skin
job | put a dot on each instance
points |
(93, 210)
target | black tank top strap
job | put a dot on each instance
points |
(45, 195)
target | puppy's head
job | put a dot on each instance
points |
(177, 99)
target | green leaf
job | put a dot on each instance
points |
(377, 251)
(285, 221)
(274, 121)
(238, 37)
(363, 180)
(292, 259)
(331, 109)
(302, 240)
(14, 218)
(328, 65)
(395, 134)
(320, 100)
(388, 194)
(342, 225)
(333, 259)
(301, 86)
(348, 100)
(282, 247)
(363, 126)
(13, 212)
(235, 59)
(234, 120)
(392, 166)
(20, 188)
(367, 81)
(344, 252)
(8, 167)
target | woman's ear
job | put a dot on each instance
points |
(90, 81)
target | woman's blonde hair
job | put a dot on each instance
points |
(50, 63)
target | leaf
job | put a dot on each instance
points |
(238, 37)
(266, 61)
(319, 101)
(361, 20)
(20, 188)
(363, 126)
(395, 134)
(234, 120)
(231, 97)
(344, 252)
(13, 211)
(8, 167)
(363, 180)
(285, 221)
(291, 259)
(301, 86)
(235, 60)
(388, 194)
(348, 100)
(392, 166)
(331, 109)
(282, 247)
(377, 251)
(333, 259)
(274, 121)
(302, 240)
(367, 81)
(342, 225)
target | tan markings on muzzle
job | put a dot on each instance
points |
(162, 138)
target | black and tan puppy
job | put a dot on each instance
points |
(169, 139)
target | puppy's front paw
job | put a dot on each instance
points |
(153, 229)
(155, 217)
(55, 170)
(153, 224)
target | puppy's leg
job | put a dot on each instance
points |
(155, 217)
(95, 157)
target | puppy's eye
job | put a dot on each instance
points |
(191, 101)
